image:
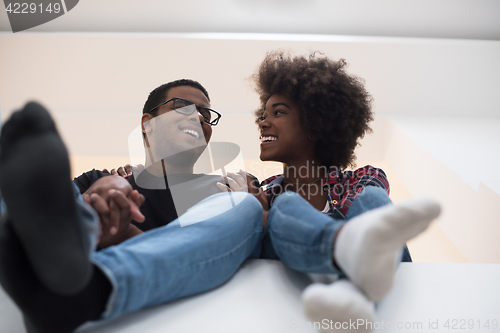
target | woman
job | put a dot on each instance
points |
(311, 119)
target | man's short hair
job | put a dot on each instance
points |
(159, 95)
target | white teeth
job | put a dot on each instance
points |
(193, 133)
(268, 138)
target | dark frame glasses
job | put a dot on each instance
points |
(185, 107)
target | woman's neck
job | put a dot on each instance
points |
(304, 172)
(305, 179)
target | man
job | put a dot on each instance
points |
(47, 262)
(173, 143)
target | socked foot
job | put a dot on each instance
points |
(43, 310)
(35, 182)
(339, 307)
(368, 247)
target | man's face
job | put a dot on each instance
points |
(171, 133)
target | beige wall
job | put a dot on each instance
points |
(96, 84)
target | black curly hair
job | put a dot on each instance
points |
(334, 105)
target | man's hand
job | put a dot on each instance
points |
(117, 205)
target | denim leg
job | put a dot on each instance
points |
(171, 262)
(301, 235)
(371, 197)
(3, 208)
(266, 247)
(88, 219)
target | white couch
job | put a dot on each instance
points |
(264, 297)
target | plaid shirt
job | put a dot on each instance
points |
(342, 187)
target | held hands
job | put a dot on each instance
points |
(125, 171)
(117, 205)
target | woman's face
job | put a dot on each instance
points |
(282, 136)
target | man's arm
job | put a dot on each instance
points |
(85, 180)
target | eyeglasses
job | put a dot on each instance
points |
(187, 108)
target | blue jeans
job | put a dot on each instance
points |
(175, 261)
(171, 262)
(302, 237)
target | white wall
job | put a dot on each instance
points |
(95, 77)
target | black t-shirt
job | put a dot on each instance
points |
(166, 197)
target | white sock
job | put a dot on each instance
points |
(340, 303)
(368, 247)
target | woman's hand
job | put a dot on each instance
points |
(234, 182)
(244, 182)
(125, 171)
